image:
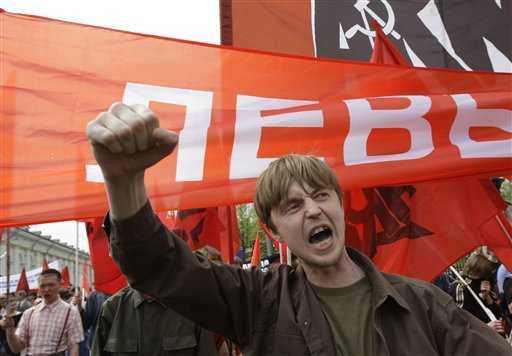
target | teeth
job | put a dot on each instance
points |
(317, 230)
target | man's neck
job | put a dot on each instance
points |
(50, 302)
(344, 273)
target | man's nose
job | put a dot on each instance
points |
(312, 208)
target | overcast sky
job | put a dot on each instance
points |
(196, 20)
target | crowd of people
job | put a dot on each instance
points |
(50, 321)
(334, 301)
(485, 291)
(131, 322)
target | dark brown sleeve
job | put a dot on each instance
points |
(458, 333)
(221, 298)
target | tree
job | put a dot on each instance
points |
(248, 224)
(506, 190)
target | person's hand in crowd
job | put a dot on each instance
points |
(486, 292)
(7, 323)
(77, 300)
(497, 325)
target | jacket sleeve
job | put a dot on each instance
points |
(221, 298)
(458, 333)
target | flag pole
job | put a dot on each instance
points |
(76, 256)
(8, 261)
(487, 311)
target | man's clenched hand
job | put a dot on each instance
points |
(127, 139)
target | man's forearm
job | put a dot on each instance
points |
(15, 344)
(73, 350)
(126, 196)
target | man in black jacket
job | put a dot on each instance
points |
(335, 302)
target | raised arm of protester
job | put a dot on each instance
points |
(126, 141)
(335, 302)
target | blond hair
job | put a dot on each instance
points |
(273, 184)
(478, 266)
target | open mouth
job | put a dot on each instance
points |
(319, 234)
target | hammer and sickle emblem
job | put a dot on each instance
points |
(362, 7)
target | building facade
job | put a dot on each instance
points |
(29, 248)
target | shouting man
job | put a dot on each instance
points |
(50, 328)
(335, 303)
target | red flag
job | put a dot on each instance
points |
(420, 230)
(256, 254)
(281, 247)
(199, 227)
(107, 276)
(45, 264)
(394, 214)
(216, 227)
(232, 122)
(66, 280)
(168, 218)
(85, 280)
(23, 283)
(393, 224)
(230, 235)
(339, 29)
(384, 51)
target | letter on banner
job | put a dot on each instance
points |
(192, 142)
(363, 119)
(468, 115)
(249, 122)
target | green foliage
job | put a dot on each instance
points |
(249, 227)
(506, 191)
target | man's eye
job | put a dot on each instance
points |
(321, 195)
(291, 207)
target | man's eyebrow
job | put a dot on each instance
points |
(287, 201)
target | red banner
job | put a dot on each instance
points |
(235, 112)
(108, 278)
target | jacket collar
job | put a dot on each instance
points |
(382, 290)
(138, 299)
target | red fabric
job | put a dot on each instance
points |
(1, 234)
(199, 227)
(23, 283)
(216, 227)
(85, 280)
(256, 254)
(385, 222)
(168, 218)
(66, 280)
(384, 51)
(45, 264)
(232, 123)
(230, 235)
(281, 247)
(420, 230)
(394, 225)
(107, 276)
